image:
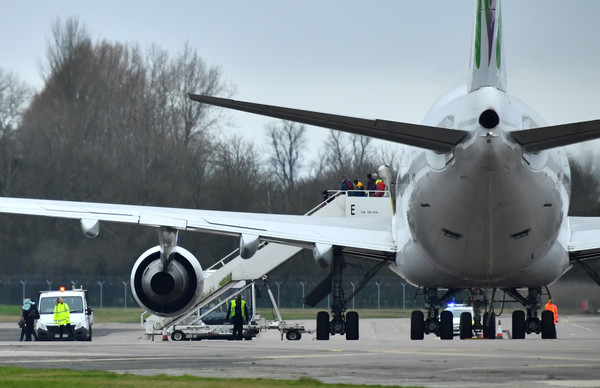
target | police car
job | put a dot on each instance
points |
(457, 309)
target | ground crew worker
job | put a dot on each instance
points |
(238, 312)
(62, 318)
(552, 307)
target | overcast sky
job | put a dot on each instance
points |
(372, 59)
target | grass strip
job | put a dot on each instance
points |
(41, 378)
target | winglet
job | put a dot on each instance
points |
(487, 59)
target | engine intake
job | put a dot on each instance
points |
(171, 292)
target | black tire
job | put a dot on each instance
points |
(352, 326)
(446, 329)
(417, 325)
(548, 327)
(178, 335)
(293, 335)
(466, 326)
(322, 326)
(489, 328)
(518, 324)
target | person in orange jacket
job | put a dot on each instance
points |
(552, 307)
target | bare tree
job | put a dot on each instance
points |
(13, 96)
(67, 54)
(287, 143)
(112, 125)
(390, 155)
(345, 153)
(190, 74)
(236, 178)
(360, 149)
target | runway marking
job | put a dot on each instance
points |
(81, 360)
(331, 353)
(494, 355)
(504, 367)
(582, 327)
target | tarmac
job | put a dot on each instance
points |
(384, 355)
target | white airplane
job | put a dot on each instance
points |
(481, 204)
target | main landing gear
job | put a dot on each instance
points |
(441, 324)
(340, 321)
(522, 325)
(435, 323)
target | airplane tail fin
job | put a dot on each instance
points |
(487, 59)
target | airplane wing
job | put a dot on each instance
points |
(543, 138)
(585, 238)
(432, 138)
(584, 244)
(373, 235)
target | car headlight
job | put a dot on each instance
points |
(41, 325)
(79, 324)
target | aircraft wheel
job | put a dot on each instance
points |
(322, 326)
(178, 335)
(466, 326)
(548, 327)
(417, 325)
(489, 329)
(293, 335)
(446, 329)
(352, 326)
(518, 324)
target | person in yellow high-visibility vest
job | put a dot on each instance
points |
(62, 318)
(238, 311)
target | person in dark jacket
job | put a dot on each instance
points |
(29, 314)
(346, 185)
(371, 186)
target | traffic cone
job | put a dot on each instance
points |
(499, 330)
(164, 333)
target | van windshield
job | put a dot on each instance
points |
(75, 304)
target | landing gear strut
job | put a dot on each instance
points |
(342, 322)
(483, 323)
(522, 325)
(442, 326)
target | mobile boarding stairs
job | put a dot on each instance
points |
(220, 279)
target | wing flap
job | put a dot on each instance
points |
(361, 233)
(432, 138)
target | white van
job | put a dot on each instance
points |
(82, 316)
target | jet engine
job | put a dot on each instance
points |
(170, 291)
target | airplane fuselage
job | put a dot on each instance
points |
(486, 214)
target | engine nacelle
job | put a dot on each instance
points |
(171, 292)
